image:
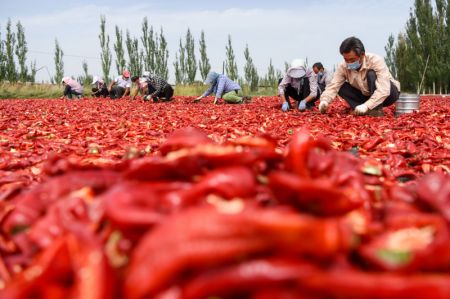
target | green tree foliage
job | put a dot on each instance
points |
(191, 62)
(426, 37)
(230, 64)
(120, 52)
(21, 53)
(162, 56)
(390, 56)
(149, 45)
(105, 54)
(2, 59)
(271, 77)
(251, 74)
(59, 63)
(134, 57)
(10, 43)
(180, 65)
(203, 64)
(85, 79)
(33, 71)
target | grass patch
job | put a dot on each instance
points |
(29, 91)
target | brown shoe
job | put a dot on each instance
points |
(376, 112)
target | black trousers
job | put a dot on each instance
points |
(165, 94)
(102, 92)
(354, 96)
(299, 95)
(117, 92)
(69, 93)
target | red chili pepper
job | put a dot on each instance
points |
(359, 284)
(320, 197)
(183, 242)
(184, 138)
(412, 242)
(372, 143)
(246, 277)
(434, 191)
(298, 149)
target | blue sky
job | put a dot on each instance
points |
(277, 30)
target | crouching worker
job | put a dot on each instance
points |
(363, 80)
(223, 88)
(100, 90)
(120, 87)
(300, 84)
(155, 88)
(71, 88)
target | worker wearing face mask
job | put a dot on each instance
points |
(363, 80)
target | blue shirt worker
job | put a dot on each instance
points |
(223, 88)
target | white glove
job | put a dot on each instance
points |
(323, 107)
(361, 109)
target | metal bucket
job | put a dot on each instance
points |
(407, 103)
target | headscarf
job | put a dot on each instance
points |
(211, 77)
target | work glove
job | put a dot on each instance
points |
(302, 105)
(323, 107)
(285, 106)
(361, 109)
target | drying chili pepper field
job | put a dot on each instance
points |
(124, 199)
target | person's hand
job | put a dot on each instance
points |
(323, 107)
(285, 106)
(361, 109)
(197, 99)
(302, 105)
(215, 101)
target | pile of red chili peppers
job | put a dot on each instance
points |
(102, 205)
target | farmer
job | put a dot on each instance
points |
(299, 83)
(120, 87)
(142, 86)
(158, 89)
(323, 77)
(71, 88)
(363, 80)
(100, 89)
(223, 88)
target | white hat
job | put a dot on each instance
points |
(296, 63)
(65, 80)
(146, 74)
(296, 72)
(95, 79)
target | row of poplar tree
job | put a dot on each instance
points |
(149, 52)
(13, 56)
(419, 57)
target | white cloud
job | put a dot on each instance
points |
(313, 30)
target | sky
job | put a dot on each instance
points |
(279, 30)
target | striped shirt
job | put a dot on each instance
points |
(222, 85)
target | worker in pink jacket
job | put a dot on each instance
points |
(71, 88)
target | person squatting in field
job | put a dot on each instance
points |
(363, 80)
(100, 89)
(323, 77)
(299, 83)
(151, 86)
(120, 87)
(223, 88)
(71, 88)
